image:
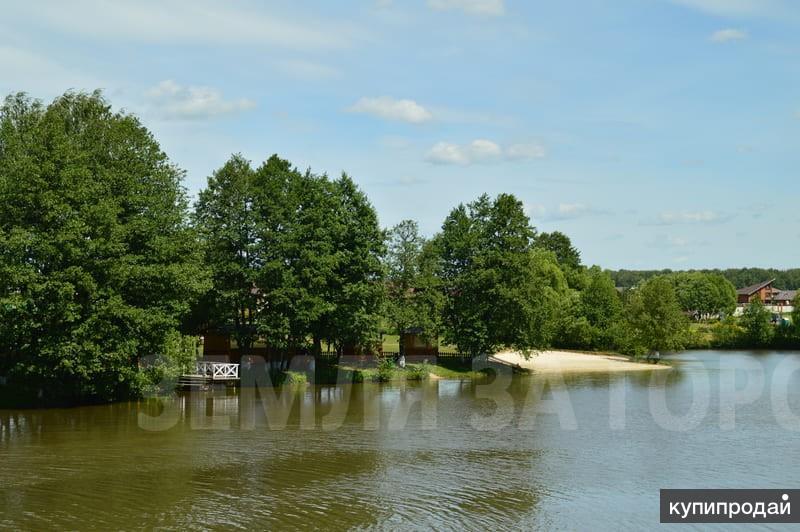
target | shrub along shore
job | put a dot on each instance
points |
(108, 275)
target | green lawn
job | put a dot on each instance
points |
(391, 344)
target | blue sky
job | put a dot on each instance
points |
(657, 134)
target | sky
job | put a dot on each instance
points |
(655, 133)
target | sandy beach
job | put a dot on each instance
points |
(571, 362)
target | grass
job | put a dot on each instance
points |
(411, 373)
(456, 373)
(281, 378)
(391, 344)
(702, 332)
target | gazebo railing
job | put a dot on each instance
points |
(218, 371)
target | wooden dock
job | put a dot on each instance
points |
(209, 373)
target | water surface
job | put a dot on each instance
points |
(438, 454)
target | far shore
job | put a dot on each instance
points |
(573, 362)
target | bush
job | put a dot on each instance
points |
(281, 378)
(418, 372)
(385, 369)
(727, 334)
(756, 321)
(179, 356)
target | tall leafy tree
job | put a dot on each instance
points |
(703, 294)
(756, 321)
(724, 301)
(501, 293)
(796, 312)
(321, 277)
(227, 222)
(97, 263)
(357, 286)
(655, 316)
(414, 296)
(599, 300)
(567, 255)
(278, 191)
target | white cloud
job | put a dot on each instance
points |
(531, 150)
(390, 108)
(690, 217)
(563, 211)
(677, 241)
(176, 101)
(571, 210)
(667, 241)
(407, 110)
(449, 153)
(182, 21)
(535, 211)
(493, 8)
(482, 150)
(734, 8)
(728, 34)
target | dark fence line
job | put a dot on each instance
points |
(234, 356)
(411, 353)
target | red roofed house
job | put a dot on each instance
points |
(776, 300)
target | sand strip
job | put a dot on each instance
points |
(571, 362)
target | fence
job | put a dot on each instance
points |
(217, 371)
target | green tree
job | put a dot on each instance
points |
(226, 221)
(796, 311)
(414, 296)
(727, 333)
(724, 295)
(98, 265)
(501, 293)
(320, 277)
(290, 283)
(756, 321)
(601, 306)
(703, 294)
(358, 291)
(566, 254)
(600, 301)
(655, 318)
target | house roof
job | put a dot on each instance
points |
(750, 290)
(785, 295)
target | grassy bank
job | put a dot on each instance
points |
(389, 372)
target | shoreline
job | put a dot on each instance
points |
(551, 361)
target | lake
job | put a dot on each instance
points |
(579, 452)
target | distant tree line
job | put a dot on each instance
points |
(739, 277)
(107, 276)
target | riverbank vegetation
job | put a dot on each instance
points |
(756, 328)
(107, 276)
(787, 279)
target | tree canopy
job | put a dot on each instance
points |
(739, 277)
(501, 293)
(227, 224)
(99, 265)
(102, 264)
(756, 321)
(297, 256)
(703, 294)
(655, 316)
(415, 299)
(560, 244)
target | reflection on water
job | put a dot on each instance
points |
(578, 452)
